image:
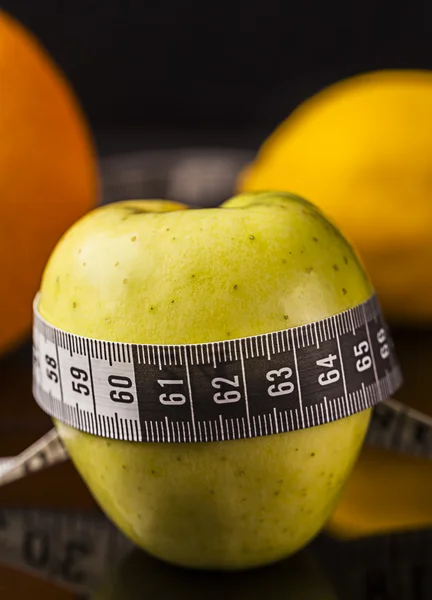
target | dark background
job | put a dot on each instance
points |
(166, 73)
(237, 66)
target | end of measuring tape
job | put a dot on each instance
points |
(242, 388)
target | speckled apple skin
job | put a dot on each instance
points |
(259, 263)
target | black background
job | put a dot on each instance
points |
(240, 65)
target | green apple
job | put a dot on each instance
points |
(141, 577)
(258, 263)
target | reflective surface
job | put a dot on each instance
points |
(55, 543)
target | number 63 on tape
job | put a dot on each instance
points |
(246, 387)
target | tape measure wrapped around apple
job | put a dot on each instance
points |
(142, 303)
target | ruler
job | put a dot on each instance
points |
(260, 385)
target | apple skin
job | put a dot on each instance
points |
(141, 577)
(272, 261)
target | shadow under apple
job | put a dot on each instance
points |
(140, 576)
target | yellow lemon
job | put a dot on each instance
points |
(361, 150)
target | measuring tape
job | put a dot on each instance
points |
(46, 451)
(234, 389)
(395, 426)
(75, 550)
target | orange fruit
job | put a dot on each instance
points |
(48, 171)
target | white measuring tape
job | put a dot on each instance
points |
(46, 451)
(341, 365)
(242, 388)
